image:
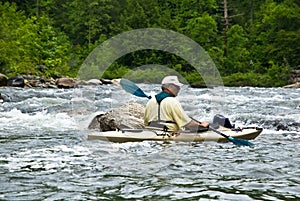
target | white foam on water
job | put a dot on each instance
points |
(107, 100)
(39, 120)
(53, 158)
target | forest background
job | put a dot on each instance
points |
(259, 45)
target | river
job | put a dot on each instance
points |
(45, 154)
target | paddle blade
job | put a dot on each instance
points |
(240, 142)
(132, 88)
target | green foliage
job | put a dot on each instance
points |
(279, 74)
(202, 29)
(276, 76)
(246, 79)
(14, 39)
(238, 55)
(263, 37)
(28, 42)
(277, 33)
(115, 71)
(51, 48)
(149, 73)
(194, 78)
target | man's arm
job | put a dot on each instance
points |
(195, 125)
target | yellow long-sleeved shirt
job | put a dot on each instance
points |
(170, 110)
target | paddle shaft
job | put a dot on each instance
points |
(235, 141)
(216, 131)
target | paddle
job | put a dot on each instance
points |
(132, 88)
(236, 141)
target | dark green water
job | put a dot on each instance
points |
(45, 154)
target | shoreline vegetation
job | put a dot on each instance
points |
(254, 43)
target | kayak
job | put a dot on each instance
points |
(152, 134)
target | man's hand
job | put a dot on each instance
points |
(204, 124)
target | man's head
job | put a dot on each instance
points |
(171, 85)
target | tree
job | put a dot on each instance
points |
(238, 59)
(27, 43)
(202, 29)
(15, 38)
(278, 33)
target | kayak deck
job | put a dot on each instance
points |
(138, 135)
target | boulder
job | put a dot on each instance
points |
(66, 83)
(116, 81)
(127, 116)
(94, 82)
(41, 82)
(3, 80)
(17, 81)
(105, 81)
(295, 85)
(295, 76)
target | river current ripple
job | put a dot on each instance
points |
(45, 154)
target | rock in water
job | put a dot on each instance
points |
(4, 98)
(65, 83)
(295, 85)
(126, 116)
(94, 82)
(3, 80)
(17, 81)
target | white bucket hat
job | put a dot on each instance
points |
(171, 80)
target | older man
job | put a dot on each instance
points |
(165, 110)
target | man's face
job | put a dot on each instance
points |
(174, 89)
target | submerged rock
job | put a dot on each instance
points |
(4, 98)
(126, 116)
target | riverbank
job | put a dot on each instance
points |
(67, 82)
(41, 82)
